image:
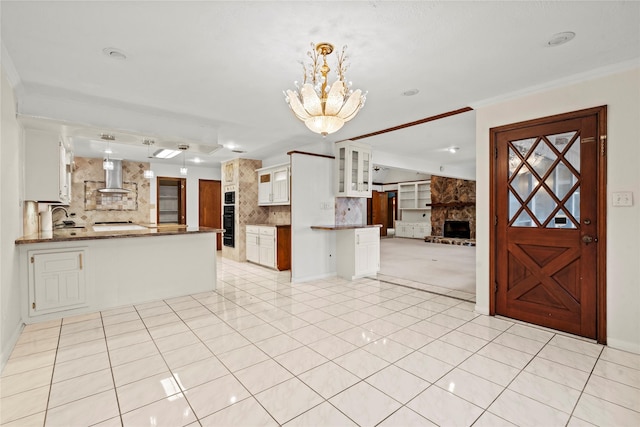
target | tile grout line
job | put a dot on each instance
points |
(113, 379)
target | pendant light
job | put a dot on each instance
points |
(183, 169)
(148, 173)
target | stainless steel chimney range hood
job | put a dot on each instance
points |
(113, 179)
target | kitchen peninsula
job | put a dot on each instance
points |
(74, 271)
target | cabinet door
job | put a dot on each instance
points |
(44, 164)
(280, 186)
(253, 248)
(58, 281)
(364, 172)
(367, 252)
(267, 250)
(265, 194)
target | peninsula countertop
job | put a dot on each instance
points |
(344, 227)
(87, 233)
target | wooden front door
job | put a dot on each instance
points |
(548, 208)
(210, 206)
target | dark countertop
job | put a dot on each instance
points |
(343, 227)
(74, 234)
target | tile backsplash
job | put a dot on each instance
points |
(90, 206)
(351, 211)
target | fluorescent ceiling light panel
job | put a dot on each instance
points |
(166, 153)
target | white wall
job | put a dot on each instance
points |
(621, 93)
(194, 174)
(11, 186)
(313, 252)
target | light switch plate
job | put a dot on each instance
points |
(623, 198)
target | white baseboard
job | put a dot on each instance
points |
(310, 278)
(7, 347)
(481, 310)
(623, 345)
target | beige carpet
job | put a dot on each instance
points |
(446, 266)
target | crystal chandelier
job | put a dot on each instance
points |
(322, 107)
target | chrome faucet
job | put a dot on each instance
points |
(66, 214)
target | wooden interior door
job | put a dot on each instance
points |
(210, 206)
(379, 210)
(549, 222)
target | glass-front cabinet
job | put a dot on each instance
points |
(353, 169)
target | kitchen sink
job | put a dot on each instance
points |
(118, 227)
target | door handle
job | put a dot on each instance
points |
(588, 239)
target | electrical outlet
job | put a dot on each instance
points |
(623, 198)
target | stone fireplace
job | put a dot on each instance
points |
(457, 229)
(452, 200)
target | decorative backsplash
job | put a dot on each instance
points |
(89, 208)
(97, 201)
(351, 210)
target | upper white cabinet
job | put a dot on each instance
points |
(353, 169)
(47, 167)
(414, 195)
(273, 185)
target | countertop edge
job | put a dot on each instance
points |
(344, 227)
(269, 225)
(152, 232)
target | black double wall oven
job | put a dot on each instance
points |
(229, 219)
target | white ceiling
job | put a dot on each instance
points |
(212, 72)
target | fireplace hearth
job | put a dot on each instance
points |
(457, 229)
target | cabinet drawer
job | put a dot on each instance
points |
(254, 229)
(367, 236)
(267, 231)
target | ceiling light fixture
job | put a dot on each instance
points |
(114, 53)
(453, 150)
(322, 107)
(165, 153)
(561, 38)
(183, 148)
(148, 173)
(410, 92)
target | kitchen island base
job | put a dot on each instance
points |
(117, 272)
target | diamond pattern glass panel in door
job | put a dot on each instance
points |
(544, 181)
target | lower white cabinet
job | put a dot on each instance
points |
(269, 246)
(57, 280)
(358, 252)
(413, 230)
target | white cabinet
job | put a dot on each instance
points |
(269, 245)
(414, 230)
(253, 244)
(358, 252)
(353, 169)
(56, 280)
(273, 185)
(47, 167)
(414, 195)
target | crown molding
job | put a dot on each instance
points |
(565, 81)
(8, 67)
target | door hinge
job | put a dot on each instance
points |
(33, 259)
(495, 287)
(603, 145)
(33, 305)
(495, 220)
(80, 256)
(495, 152)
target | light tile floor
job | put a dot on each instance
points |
(260, 351)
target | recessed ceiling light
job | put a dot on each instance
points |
(453, 150)
(561, 38)
(410, 92)
(165, 153)
(114, 53)
(197, 160)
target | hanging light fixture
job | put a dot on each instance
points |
(183, 169)
(148, 173)
(322, 107)
(107, 164)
